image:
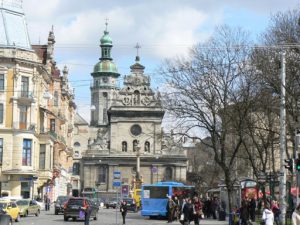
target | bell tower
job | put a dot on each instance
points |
(105, 77)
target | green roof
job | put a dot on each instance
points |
(106, 39)
(105, 66)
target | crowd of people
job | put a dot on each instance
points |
(188, 210)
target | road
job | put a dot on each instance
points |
(105, 217)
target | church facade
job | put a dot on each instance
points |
(125, 132)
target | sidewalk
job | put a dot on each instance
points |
(213, 222)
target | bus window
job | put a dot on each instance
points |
(156, 192)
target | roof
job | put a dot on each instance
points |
(105, 66)
(13, 28)
(79, 120)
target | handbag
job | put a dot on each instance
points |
(81, 214)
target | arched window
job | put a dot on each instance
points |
(76, 169)
(124, 146)
(55, 98)
(135, 144)
(147, 146)
(168, 174)
(76, 144)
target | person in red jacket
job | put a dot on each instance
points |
(198, 210)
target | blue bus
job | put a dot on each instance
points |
(155, 197)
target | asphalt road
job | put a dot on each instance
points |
(105, 217)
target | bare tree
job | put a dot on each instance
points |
(210, 92)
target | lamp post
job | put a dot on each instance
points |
(138, 164)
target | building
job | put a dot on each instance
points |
(126, 133)
(35, 130)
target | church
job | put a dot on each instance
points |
(125, 132)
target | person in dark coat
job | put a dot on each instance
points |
(252, 207)
(188, 212)
(123, 210)
(244, 213)
(170, 209)
(87, 214)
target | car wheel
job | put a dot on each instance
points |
(56, 212)
(66, 218)
(18, 218)
(37, 213)
(107, 207)
(95, 218)
(114, 207)
(74, 218)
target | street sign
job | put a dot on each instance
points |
(154, 169)
(117, 183)
(117, 175)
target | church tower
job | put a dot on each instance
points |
(105, 77)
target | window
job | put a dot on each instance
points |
(1, 113)
(168, 174)
(24, 87)
(23, 117)
(1, 149)
(76, 169)
(26, 154)
(42, 159)
(1, 82)
(55, 98)
(147, 146)
(156, 192)
(52, 125)
(102, 174)
(76, 144)
(124, 146)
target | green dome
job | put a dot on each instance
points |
(105, 66)
(106, 39)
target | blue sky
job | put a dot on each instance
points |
(164, 29)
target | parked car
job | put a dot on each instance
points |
(111, 203)
(131, 205)
(74, 205)
(5, 219)
(11, 209)
(28, 207)
(59, 204)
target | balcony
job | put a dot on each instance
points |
(25, 98)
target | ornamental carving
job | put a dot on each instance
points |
(126, 100)
(146, 100)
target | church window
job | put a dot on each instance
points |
(55, 98)
(124, 146)
(76, 144)
(136, 130)
(168, 174)
(147, 146)
(104, 94)
(135, 145)
(76, 169)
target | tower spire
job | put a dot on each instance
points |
(106, 24)
(137, 46)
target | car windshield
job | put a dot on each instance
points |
(3, 205)
(22, 202)
(75, 202)
(128, 200)
(62, 198)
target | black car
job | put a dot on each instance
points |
(131, 205)
(59, 204)
(75, 205)
(111, 203)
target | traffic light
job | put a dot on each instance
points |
(297, 163)
(289, 164)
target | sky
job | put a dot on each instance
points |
(163, 28)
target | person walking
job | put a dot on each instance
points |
(170, 209)
(188, 212)
(123, 210)
(244, 213)
(268, 216)
(252, 207)
(198, 210)
(87, 214)
(276, 211)
(296, 216)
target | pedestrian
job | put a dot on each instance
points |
(276, 211)
(198, 210)
(268, 216)
(47, 202)
(176, 212)
(123, 210)
(244, 213)
(252, 207)
(296, 216)
(170, 209)
(188, 212)
(87, 214)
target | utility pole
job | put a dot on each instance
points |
(282, 187)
